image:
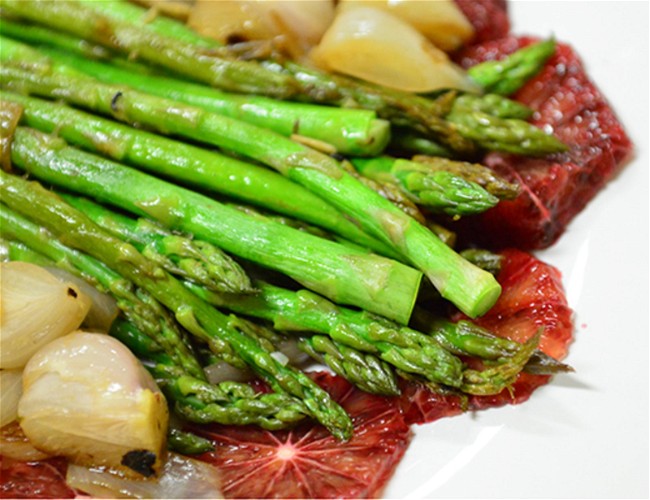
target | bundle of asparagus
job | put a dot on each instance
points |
(164, 258)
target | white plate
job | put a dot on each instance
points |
(586, 434)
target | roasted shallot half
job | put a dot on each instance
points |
(88, 398)
(381, 48)
(35, 308)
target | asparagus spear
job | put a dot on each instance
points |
(137, 305)
(342, 273)
(198, 401)
(204, 65)
(406, 141)
(495, 133)
(509, 74)
(123, 10)
(195, 166)
(347, 131)
(468, 339)
(195, 260)
(401, 347)
(484, 259)
(13, 250)
(35, 34)
(442, 191)
(471, 289)
(494, 105)
(198, 317)
(411, 353)
(187, 443)
(271, 411)
(457, 131)
(364, 370)
(492, 182)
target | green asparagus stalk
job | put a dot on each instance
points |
(467, 338)
(195, 260)
(347, 131)
(39, 35)
(492, 182)
(129, 35)
(407, 142)
(471, 289)
(458, 124)
(191, 165)
(411, 353)
(461, 131)
(341, 273)
(12, 250)
(495, 378)
(187, 443)
(204, 65)
(123, 10)
(387, 190)
(484, 259)
(441, 191)
(493, 105)
(271, 411)
(303, 310)
(364, 370)
(495, 133)
(424, 115)
(137, 305)
(509, 74)
(9, 118)
(201, 319)
(198, 401)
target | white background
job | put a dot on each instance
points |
(586, 434)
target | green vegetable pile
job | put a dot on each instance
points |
(231, 200)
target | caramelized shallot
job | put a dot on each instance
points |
(88, 398)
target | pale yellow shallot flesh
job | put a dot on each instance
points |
(441, 21)
(11, 388)
(88, 398)
(378, 47)
(298, 25)
(181, 477)
(35, 308)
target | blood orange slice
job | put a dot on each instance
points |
(41, 479)
(307, 462)
(532, 298)
(488, 17)
(555, 188)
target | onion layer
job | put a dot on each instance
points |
(103, 309)
(36, 308)
(181, 477)
(88, 398)
(15, 445)
(441, 21)
(378, 47)
(11, 388)
(300, 24)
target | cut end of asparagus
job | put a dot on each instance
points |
(477, 302)
(379, 135)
